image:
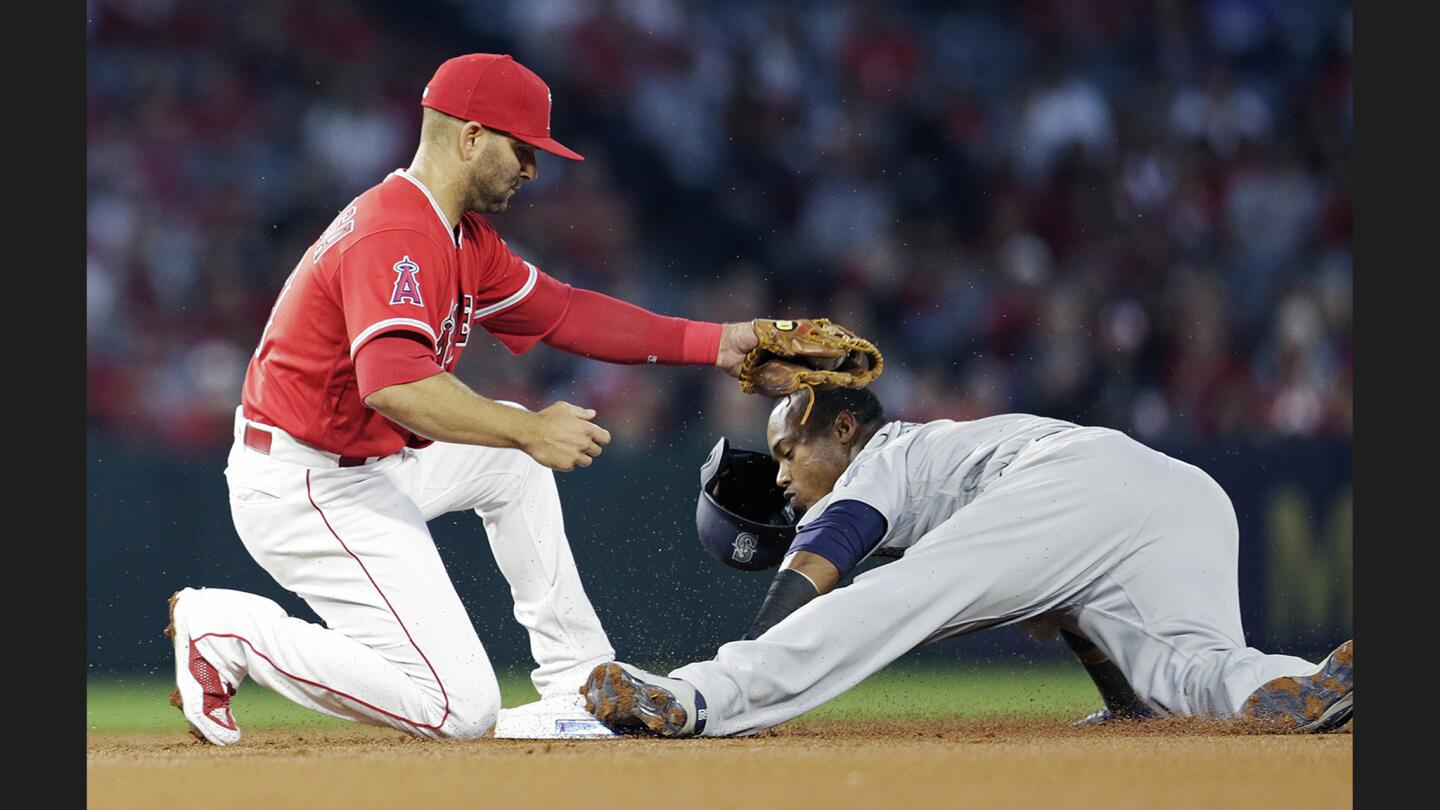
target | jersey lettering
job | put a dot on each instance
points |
(465, 316)
(342, 226)
(445, 346)
(281, 297)
(407, 289)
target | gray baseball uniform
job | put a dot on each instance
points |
(1012, 519)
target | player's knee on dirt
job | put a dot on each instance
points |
(473, 710)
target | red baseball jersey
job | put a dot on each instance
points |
(389, 262)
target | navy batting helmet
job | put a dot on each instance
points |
(743, 518)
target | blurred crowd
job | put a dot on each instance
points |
(1133, 214)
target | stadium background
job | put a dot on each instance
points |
(1129, 214)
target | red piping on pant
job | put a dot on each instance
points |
(423, 657)
(294, 677)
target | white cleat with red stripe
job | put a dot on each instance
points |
(200, 693)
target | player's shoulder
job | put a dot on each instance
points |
(390, 215)
(883, 450)
(899, 439)
(894, 434)
(947, 440)
(397, 203)
(984, 424)
(476, 222)
(391, 243)
(479, 232)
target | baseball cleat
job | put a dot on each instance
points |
(200, 693)
(1321, 701)
(559, 717)
(628, 699)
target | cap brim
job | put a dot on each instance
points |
(550, 145)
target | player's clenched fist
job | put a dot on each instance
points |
(564, 437)
(736, 341)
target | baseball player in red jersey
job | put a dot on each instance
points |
(353, 432)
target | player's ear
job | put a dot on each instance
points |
(845, 427)
(472, 137)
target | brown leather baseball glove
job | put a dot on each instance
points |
(812, 353)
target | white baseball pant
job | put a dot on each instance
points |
(1135, 550)
(397, 647)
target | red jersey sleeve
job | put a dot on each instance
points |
(516, 302)
(532, 319)
(395, 281)
(522, 306)
(391, 359)
(604, 328)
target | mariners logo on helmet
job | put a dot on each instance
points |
(741, 515)
(745, 544)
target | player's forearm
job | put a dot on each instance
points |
(823, 552)
(821, 572)
(800, 579)
(1109, 681)
(443, 408)
(600, 327)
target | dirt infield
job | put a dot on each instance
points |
(963, 763)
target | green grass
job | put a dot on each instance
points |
(965, 691)
(140, 703)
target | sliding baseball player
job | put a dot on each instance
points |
(1005, 520)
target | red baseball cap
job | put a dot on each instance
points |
(495, 90)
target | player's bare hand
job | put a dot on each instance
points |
(564, 437)
(736, 341)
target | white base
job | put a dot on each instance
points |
(550, 719)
